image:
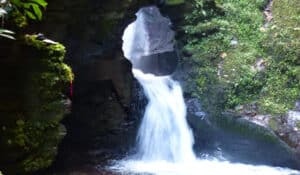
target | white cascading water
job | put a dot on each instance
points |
(164, 140)
(164, 133)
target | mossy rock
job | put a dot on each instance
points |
(236, 124)
(31, 130)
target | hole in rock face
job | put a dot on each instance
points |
(149, 41)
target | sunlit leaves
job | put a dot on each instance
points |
(7, 33)
(32, 8)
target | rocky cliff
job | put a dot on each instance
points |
(100, 123)
(33, 79)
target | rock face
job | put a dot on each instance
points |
(286, 126)
(148, 43)
(102, 89)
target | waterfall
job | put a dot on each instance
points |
(164, 141)
(164, 133)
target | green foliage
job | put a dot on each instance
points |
(283, 44)
(244, 90)
(213, 26)
(30, 8)
(19, 11)
(227, 41)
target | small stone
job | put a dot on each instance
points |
(223, 55)
(233, 42)
(40, 36)
(200, 114)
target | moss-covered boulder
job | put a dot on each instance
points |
(33, 78)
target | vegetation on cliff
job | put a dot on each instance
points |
(31, 130)
(240, 58)
(33, 78)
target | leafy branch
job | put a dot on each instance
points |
(31, 9)
(4, 32)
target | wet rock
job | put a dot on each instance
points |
(259, 65)
(148, 43)
(297, 105)
(285, 126)
(194, 107)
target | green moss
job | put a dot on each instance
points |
(39, 140)
(273, 124)
(174, 2)
(226, 39)
(214, 25)
(282, 77)
(34, 131)
(250, 130)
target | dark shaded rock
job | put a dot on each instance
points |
(100, 115)
(238, 140)
(297, 105)
(158, 64)
(285, 126)
(89, 29)
(194, 107)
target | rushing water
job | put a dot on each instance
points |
(164, 133)
(165, 141)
